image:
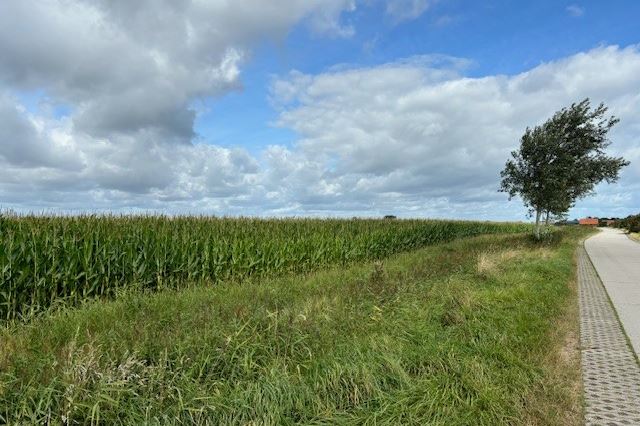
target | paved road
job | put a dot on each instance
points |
(617, 260)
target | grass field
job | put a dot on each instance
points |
(635, 236)
(475, 331)
(48, 261)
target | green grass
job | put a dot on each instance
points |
(468, 332)
(635, 236)
(50, 261)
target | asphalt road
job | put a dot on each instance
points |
(617, 261)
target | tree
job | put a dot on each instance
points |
(562, 160)
(632, 223)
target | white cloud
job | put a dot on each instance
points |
(327, 22)
(408, 133)
(129, 73)
(110, 60)
(403, 10)
(575, 10)
(412, 137)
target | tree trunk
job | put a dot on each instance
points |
(546, 220)
(537, 230)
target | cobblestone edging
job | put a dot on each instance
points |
(610, 372)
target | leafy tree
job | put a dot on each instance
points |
(562, 160)
(631, 223)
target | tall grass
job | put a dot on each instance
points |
(50, 260)
(472, 332)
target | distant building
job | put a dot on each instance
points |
(589, 221)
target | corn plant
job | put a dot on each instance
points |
(45, 260)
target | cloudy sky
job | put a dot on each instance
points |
(301, 107)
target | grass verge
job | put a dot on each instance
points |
(477, 331)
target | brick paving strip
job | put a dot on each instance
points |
(610, 371)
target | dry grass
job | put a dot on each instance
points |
(489, 262)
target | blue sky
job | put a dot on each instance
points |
(499, 37)
(293, 107)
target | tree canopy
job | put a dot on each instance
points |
(562, 160)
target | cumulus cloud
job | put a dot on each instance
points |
(29, 142)
(411, 137)
(128, 74)
(327, 21)
(128, 67)
(413, 134)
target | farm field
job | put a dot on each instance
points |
(51, 261)
(213, 213)
(479, 330)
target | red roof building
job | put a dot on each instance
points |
(589, 221)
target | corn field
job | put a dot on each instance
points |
(47, 261)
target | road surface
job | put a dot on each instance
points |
(616, 258)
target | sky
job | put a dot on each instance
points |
(329, 108)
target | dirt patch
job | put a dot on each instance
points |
(489, 261)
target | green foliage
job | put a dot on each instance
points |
(47, 261)
(562, 160)
(427, 338)
(630, 223)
